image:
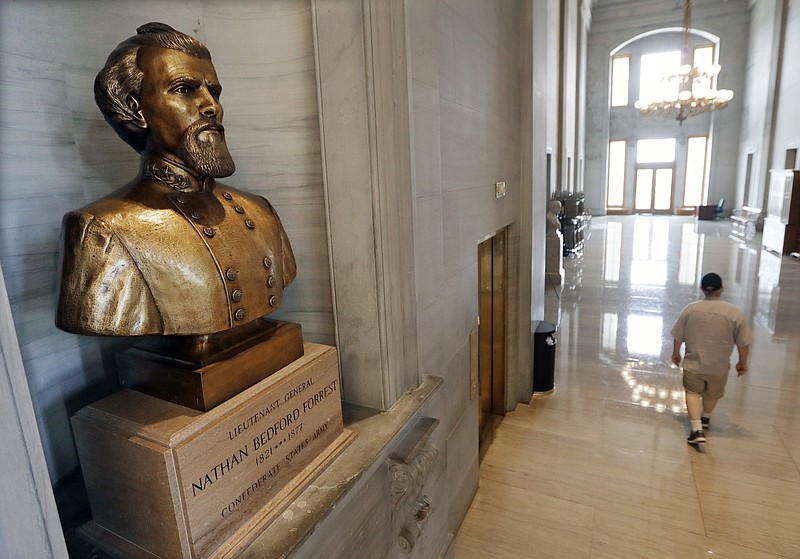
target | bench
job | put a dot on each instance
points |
(746, 221)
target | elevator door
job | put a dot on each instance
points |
(492, 325)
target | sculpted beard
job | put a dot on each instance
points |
(206, 153)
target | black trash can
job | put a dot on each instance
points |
(544, 357)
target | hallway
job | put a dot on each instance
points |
(600, 469)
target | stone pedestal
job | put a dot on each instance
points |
(554, 258)
(169, 481)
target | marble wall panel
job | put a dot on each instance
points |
(472, 13)
(461, 309)
(788, 118)
(427, 153)
(457, 387)
(30, 525)
(464, 142)
(429, 256)
(424, 42)
(474, 68)
(431, 323)
(446, 34)
(502, 24)
(471, 216)
(462, 475)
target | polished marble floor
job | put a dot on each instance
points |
(600, 468)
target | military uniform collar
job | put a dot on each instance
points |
(172, 174)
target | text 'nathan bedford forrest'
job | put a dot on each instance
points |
(273, 434)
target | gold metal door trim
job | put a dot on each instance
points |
(492, 294)
(499, 323)
(485, 327)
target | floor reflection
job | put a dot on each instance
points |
(621, 298)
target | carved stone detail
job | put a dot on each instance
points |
(409, 467)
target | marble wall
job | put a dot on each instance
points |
(759, 100)
(787, 117)
(57, 154)
(467, 137)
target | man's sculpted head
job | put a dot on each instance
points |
(160, 93)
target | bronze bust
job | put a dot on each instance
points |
(173, 252)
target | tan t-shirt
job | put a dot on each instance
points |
(710, 328)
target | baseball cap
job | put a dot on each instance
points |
(711, 282)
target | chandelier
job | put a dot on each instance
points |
(690, 91)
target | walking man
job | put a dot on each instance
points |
(709, 328)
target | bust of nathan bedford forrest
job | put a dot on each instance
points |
(173, 252)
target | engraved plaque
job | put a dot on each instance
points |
(227, 473)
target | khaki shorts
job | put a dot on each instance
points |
(710, 386)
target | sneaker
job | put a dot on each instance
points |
(706, 422)
(696, 437)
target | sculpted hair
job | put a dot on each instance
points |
(120, 80)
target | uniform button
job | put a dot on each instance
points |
(227, 195)
(182, 199)
(236, 295)
(273, 300)
(250, 223)
(268, 262)
(239, 314)
(271, 281)
(196, 215)
(209, 231)
(231, 274)
(239, 209)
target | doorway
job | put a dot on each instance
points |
(655, 169)
(653, 189)
(492, 327)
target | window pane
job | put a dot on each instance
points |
(663, 196)
(620, 74)
(616, 172)
(654, 67)
(655, 151)
(703, 59)
(695, 171)
(644, 189)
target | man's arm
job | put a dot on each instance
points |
(741, 366)
(676, 352)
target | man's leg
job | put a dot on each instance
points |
(709, 405)
(711, 396)
(694, 386)
(694, 405)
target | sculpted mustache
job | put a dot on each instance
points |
(202, 125)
